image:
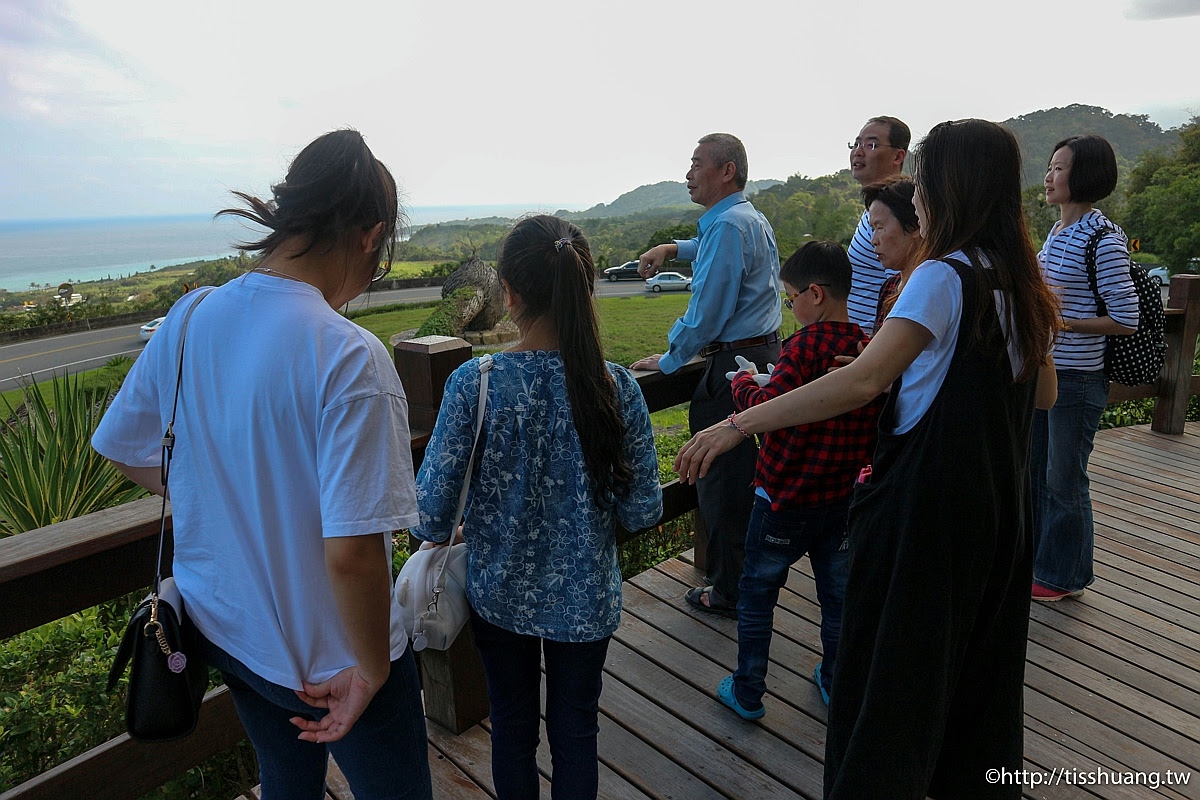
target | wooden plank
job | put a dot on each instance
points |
(142, 767)
(1075, 754)
(1138, 592)
(641, 763)
(697, 731)
(1046, 755)
(470, 752)
(1161, 676)
(1146, 744)
(1146, 713)
(86, 561)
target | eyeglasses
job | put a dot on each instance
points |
(789, 299)
(870, 144)
(381, 272)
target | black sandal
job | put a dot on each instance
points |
(715, 605)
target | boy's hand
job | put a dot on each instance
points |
(751, 369)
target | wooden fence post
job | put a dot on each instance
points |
(1175, 385)
(453, 681)
(424, 365)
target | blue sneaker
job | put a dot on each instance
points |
(725, 693)
(820, 686)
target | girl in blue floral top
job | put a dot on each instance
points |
(545, 499)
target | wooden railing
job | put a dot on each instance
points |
(58, 570)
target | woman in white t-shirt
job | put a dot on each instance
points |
(1082, 171)
(929, 694)
(292, 466)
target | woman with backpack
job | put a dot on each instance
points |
(1082, 171)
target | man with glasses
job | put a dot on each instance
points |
(734, 311)
(875, 154)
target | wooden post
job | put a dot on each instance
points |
(424, 365)
(1175, 386)
(452, 680)
(454, 685)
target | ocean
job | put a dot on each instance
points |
(36, 253)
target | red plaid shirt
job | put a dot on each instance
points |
(814, 464)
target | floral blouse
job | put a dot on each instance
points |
(541, 556)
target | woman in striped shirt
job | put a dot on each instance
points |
(1082, 171)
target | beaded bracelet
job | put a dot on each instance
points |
(733, 424)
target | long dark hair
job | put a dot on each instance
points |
(547, 263)
(335, 189)
(968, 173)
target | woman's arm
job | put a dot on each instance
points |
(361, 580)
(1105, 325)
(149, 478)
(1047, 386)
(891, 352)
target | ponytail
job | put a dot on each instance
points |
(547, 262)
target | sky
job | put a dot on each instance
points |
(125, 108)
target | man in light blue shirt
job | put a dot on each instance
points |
(734, 310)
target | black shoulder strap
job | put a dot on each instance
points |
(1089, 261)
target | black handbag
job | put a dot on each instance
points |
(167, 678)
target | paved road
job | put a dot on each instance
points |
(76, 352)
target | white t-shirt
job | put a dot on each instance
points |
(292, 427)
(932, 298)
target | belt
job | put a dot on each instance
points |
(753, 341)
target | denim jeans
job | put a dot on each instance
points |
(1061, 445)
(384, 756)
(774, 541)
(512, 664)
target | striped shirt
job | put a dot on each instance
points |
(867, 279)
(1065, 270)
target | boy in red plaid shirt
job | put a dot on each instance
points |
(804, 476)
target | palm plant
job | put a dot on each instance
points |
(48, 469)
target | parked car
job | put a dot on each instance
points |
(627, 270)
(149, 328)
(669, 281)
(1159, 273)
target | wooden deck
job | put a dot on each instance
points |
(1112, 683)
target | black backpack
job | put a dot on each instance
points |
(1137, 358)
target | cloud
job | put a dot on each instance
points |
(1163, 9)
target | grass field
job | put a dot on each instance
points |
(630, 328)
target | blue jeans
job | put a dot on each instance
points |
(1061, 445)
(774, 541)
(512, 663)
(384, 756)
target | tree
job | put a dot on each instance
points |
(670, 234)
(1164, 201)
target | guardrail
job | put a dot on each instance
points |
(51, 572)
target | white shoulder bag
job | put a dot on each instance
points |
(431, 589)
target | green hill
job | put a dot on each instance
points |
(662, 196)
(1130, 135)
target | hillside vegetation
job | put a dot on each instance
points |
(828, 207)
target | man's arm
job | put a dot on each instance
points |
(651, 261)
(718, 270)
